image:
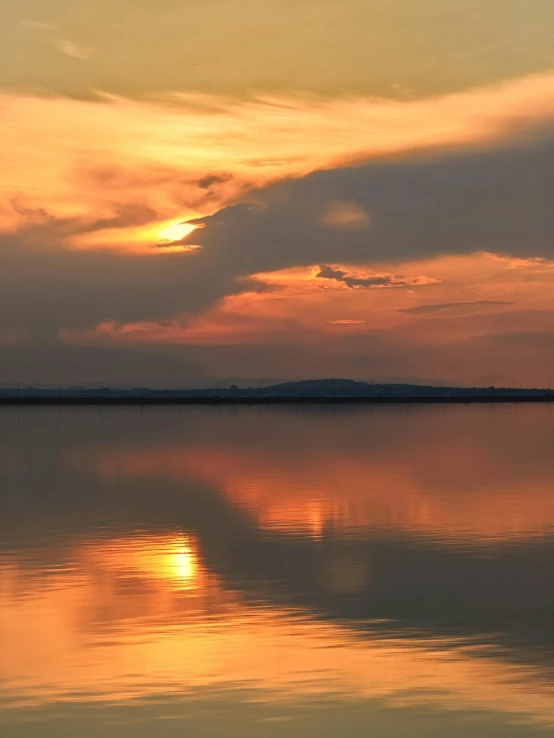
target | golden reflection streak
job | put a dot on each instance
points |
(171, 559)
(111, 626)
(345, 492)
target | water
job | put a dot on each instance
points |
(264, 572)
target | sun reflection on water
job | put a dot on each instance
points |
(169, 560)
(182, 564)
(287, 575)
(87, 631)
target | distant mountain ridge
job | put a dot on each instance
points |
(354, 388)
(309, 388)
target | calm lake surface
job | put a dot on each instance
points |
(263, 572)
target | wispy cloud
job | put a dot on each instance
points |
(70, 48)
(347, 322)
(345, 216)
(424, 309)
(49, 32)
(39, 25)
(175, 154)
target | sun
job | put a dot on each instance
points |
(175, 231)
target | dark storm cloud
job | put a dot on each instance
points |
(328, 272)
(44, 288)
(496, 200)
(423, 309)
(213, 179)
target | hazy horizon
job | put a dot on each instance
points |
(217, 383)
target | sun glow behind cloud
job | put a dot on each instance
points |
(113, 175)
(175, 232)
(155, 238)
(187, 155)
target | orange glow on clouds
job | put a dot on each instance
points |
(435, 301)
(174, 232)
(157, 238)
(186, 155)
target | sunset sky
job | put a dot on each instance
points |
(211, 189)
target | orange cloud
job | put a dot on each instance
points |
(461, 303)
(297, 308)
(360, 280)
(187, 155)
(347, 322)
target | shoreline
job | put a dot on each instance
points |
(252, 400)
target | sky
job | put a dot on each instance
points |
(197, 190)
